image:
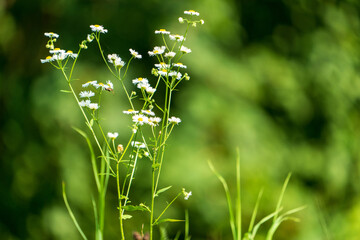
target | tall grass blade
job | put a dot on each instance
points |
(253, 216)
(278, 206)
(238, 196)
(71, 213)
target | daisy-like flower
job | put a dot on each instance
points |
(47, 59)
(174, 120)
(143, 85)
(162, 31)
(140, 119)
(185, 49)
(130, 111)
(192, 13)
(181, 20)
(157, 51)
(140, 80)
(88, 94)
(177, 37)
(178, 75)
(155, 120)
(163, 72)
(162, 65)
(98, 28)
(148, 112)
(186, 194)
(150, 90)
(138, 144)
(57, 51)
(93, 106)
(135, 53)
(170, 54)
(93, 83)
(179, 65)
(70, 53)
(51, 35)
(112, 136)
(110, 84)
(102, 86)
(116, 60)
(85, 103)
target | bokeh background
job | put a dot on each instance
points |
(277, 79)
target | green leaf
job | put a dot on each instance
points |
(126, 216)
(91, 122)
(168, 220)
(162, 190)
(135, 208)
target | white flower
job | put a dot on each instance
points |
(113, 57)
(84, 103)
(179, 65)
(69, 53)
(170, 54)
(135, 54)
(87, 94)
(98, 28)
(51, 35)
(143, 85)
(155, 120)
(150, 90)
(112, 135)
(177, 37)
(174, 120)
(57, 51)
(93, 83)
(47, 59)
(186, 194)
(148, 112)
(110, 84)
(130, 111)
(191, 12)
(157, 51)
(102, 86)
(162, 65)
(93, 106)
(162, 31)
(138, 144)
(178, 75)
(185, 49)
(140, 119)
(163, 72)
(140, 80)
(181, 20)
(202, 21)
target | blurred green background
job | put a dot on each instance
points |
(277, 79)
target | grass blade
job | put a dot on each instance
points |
(71, 213)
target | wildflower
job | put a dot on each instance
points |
(98, 28)
(150, 90)
(138, 144)
(162, 31)
(181, 20)
(140, 119)
(178, 75)
(174, 120)
(170, 54)
(51, 35)
(120, 148)
(163, 72)
(85, 103)
(186, 194)
(185, 49)
(177, 37)
(112, 136)
(192, 13)
(69, 53)
(102, 86)
(130, 111)
(157, 51)
(179, 65)
(93, 106)
(202, 21)
(135, 54)
(140, 80)
(162, 65)
(155, 120)
(116, 60)
(57, 51)
(143, 85)
(146, 154)
(110, 84)
(93, 83)
(148, 112)
(87, 94)
(47, 59)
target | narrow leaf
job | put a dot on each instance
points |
(168, 220)
(65, 91)
(162, 190)
(131, 208)
(126, 216)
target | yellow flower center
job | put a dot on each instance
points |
(192, 11)
(162, 30)
(96, 26)
(48, 57)
(140, 119)
(57, 49)
(140, 79)
(70, 51)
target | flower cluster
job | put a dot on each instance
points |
(57, 53)
(108, 86)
